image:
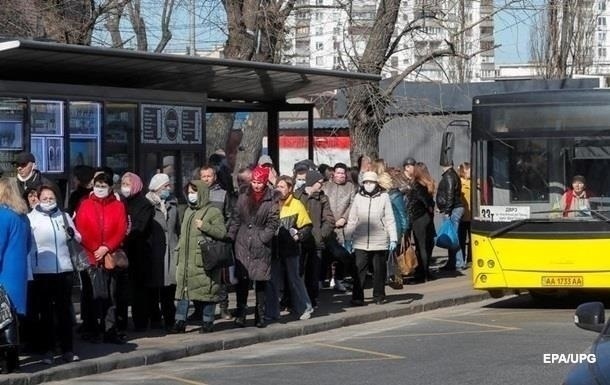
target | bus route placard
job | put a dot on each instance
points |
(504, 213)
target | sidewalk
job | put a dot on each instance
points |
(334, 311)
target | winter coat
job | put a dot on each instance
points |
(340, 198)
(34, 182)
(400, 211)
(252, 228)
(76, 197)
(15, 242)
(419, 202)
(371, 224)
(101, 222)
(449, 192)
(321, 215)
(51, 254)
(466, 199)
(293, 215)
(223, 200)
(192, 281)
(141, 213)
(163, 242)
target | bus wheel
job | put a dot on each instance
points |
(496, 293)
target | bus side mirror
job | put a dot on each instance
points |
(590, 316)
(447, 147)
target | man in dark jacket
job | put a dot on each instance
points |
(28, 177)
(318, 208)
(449, 203)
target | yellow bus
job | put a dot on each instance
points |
(528, 151)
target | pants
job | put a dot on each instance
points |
(464, 236)
(53, 293)
(456, 257)
(285, 274)
(365, 258)
(241, 292)
(313, 263)
(424, 233)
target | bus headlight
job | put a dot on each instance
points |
(483, 278)
(480, 262)
(491, 264)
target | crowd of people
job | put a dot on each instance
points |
(290, 235)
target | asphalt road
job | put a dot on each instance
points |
(491, 342)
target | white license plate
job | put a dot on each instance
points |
(563, 281)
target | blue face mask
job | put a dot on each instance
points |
(164, 194)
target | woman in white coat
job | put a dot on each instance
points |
(371, 233)
(53, 274)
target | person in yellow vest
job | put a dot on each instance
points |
(464, 227)
(295, 227)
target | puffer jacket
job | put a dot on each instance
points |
(192, 281)
(322, 218)
(371, 224)
(400, 211)
(449, 192)
(51, 254)
(340, 197)
(253, 228)
(101, 222)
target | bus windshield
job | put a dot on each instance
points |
(541, 178)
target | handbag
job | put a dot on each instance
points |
(6, 313)
(215, 254)
(447, 237)
(99, 282)
(78, 254)
(117, 258)
(406, 260)
(394, 278)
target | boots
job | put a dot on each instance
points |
(240, 316)
(207, 327)
(259, 312)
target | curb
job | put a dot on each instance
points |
(236, 339)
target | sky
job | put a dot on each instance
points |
(512, 32)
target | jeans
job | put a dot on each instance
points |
(285, 274)
(456, 257)
(209, 309)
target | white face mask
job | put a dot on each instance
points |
(126, 191)
(48, 206)
(192, 197)
(298, 184)
(369, 187)
(101, 192)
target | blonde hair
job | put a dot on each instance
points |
(379, 166)
(463, 170)
(9, 196)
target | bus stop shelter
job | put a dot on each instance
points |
(73, 105)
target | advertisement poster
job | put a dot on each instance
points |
(11, 135)
(55, 154)
(84, 118)
(37, 149)
(83, 152)
(47, 117)
(171, 124)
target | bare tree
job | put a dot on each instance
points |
(561, 38)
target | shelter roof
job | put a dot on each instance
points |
(222, 79)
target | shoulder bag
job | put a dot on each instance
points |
(215, 253)
(406, 260)
(78, 254)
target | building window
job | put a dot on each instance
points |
(319, 60)
(601, 36)
(394, 61)
(601, 21)
(601, 5)
(319, 31)
(319, 2)
(319, 46)
(601, 52)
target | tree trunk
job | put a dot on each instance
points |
(252, 140)
(366, 117)
(217, 133)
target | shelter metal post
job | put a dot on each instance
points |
(310, 137)
(273, 134)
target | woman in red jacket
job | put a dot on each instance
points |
(102, 222)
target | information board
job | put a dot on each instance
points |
(504, 213)
(163, 124)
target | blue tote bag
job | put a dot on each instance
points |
(447, 237)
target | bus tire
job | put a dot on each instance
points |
(498, 293)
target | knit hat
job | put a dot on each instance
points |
(136, 182)
(312, 177)
(370, 176)
(264, 159)
(158, 181)
(409, 162)
(260, 174)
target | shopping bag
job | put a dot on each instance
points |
(394, 277)
(78, 254)
(447, 237)
(406, 259)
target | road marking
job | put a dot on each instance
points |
(301, 362)
(385, 355)
(474, 323)
(434, 334)
(180, 379)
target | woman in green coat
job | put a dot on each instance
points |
(193, 282)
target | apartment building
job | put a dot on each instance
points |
(330, 33)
